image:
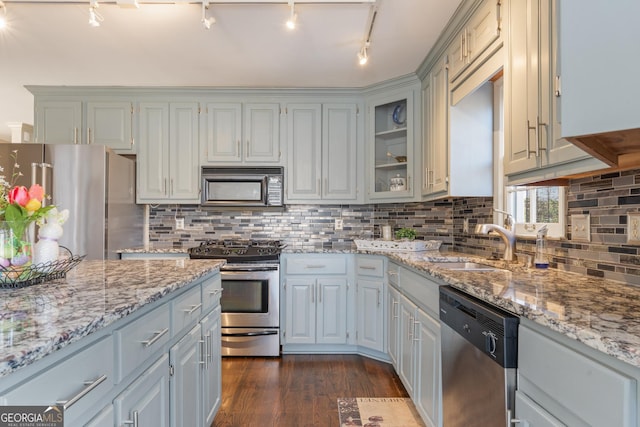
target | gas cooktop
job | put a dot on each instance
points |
(235, 251)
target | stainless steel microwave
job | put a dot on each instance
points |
(242, 186)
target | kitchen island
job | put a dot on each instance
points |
(109, 324)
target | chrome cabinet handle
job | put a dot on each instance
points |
(155, 338)
(203, 353)
(315, 266)
(529, 129)
(395, 310)
(164, 186)
(192, 309)
(133, 422)
(461, 45)
(215, 292)
(209, 347)
(75, 135)
(171, 189)
(540, 147)
(367, 267)
(247, 153)
(392, 273)
(90, 385)
(313, 293)
(408, 182)
(416, 336)
(378, 296)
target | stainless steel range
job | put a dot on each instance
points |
(251, 294)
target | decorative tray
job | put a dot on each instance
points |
(14, 277)
(399, 245)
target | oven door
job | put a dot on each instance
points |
(250, 299)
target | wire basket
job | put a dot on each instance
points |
(14, 277)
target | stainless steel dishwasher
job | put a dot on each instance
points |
(479, 356)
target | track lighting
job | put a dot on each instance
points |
(293, 16)
(206, 22)
(94, 17)
(3, 16)
(363, 57)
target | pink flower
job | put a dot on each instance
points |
(36, 192)
(19, 195)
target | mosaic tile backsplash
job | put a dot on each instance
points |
(606, 198)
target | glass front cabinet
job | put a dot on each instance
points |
(391, 150)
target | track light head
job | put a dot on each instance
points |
(293, 16)
(94, 16)
(206, 22)
(363, 56)
(3, 16)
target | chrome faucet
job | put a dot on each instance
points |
(507, 236)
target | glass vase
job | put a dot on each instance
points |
(16, 243)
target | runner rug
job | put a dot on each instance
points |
(378, 412)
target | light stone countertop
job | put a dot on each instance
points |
(38, 320)
(603, 314)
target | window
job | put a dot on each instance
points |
(533, 207)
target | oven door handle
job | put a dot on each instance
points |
(231, 269)
(249, 334)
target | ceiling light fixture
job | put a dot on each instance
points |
(363, 54)
(3, 16)
(206, 22)
(293, 16)
(94, 17)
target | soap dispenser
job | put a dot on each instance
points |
(541, 260)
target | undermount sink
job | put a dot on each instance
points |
(466, 266)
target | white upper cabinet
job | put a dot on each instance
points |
(532, 97)
(322, 159)
(482, 29)
(600, 88)
(391, 151)
(110, 123)
(241, 134)
(168, 153)
(103, 122)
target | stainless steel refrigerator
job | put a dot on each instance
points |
(94, 183)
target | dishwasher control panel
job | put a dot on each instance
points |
(490, 329)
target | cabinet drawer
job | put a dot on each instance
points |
(141, 339)
(80, 380)
(596, 394)
(317, 265)
(186, 309)
(211, 292)
(423, 291)
(367, 266)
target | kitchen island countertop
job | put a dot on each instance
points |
(38, 320)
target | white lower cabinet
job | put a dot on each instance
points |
(211, 384)
(370, 305)
(185, 358)
(317, 300)
(414, 339)
(145, 403)
(564, 382)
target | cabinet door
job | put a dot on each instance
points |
(339, 151)
(331, 312)
(370, 313)
(183, 152)
(146, 399)
(223, 133)
(186, 359)
(483, 28)
(153, 155)
(438, 173)
(407, 319)
(532, 415)
(300, 311)
(393, 326)
(262, 133)
(212, 375)
(304, 151)
(59, 122)
(103, 419)
(110, 123)
(427, 361)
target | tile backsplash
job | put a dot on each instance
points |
(606, 198)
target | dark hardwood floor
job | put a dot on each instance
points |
(298, 390)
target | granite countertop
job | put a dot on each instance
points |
(603, 314)
(38, 320)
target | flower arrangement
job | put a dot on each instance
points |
(19, 208)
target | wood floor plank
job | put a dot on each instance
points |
(298, 390)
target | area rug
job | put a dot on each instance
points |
(378, 412)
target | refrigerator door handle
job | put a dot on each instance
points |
(43, 171)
